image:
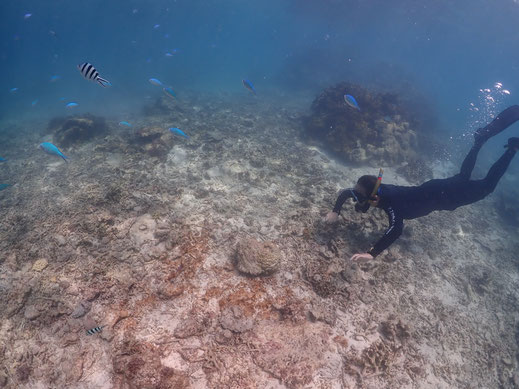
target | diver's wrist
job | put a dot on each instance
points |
(373, 252)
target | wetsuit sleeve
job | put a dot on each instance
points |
(343, 196)
(396, 225)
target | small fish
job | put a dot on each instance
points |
(49, 148)
(178, 131)
(72, 105)
(34, 102)
(89, 72)
(248, 85)
(156, 26)
(168, 54)
(4, 186)
(94, 330)
(27, 16)
(350, 100)
(155, 82)
(54, 78)
(13, 90)
(169, 92)
(125, 124)
(3, 159)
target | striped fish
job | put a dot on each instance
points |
(90, 73)
(94, 330)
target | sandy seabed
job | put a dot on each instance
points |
(144, 248)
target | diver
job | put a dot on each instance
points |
(410, 202)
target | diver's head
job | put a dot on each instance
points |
(365, 193)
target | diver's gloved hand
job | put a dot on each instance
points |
(332, 217)
(358, 256)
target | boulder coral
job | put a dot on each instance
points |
(256, 258)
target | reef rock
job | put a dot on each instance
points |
(78, 129)
(154, 141)
(234, 319)
(257, 258)
(382, 132)
(40, 264)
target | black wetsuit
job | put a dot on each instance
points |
(410, 202)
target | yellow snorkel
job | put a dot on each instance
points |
(377, 185)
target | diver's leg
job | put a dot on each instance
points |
(498, 169)
(505, 119)
(470, 161)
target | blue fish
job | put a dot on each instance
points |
(2, 159)
(34, 102)
(350, 100)
(54, 78)
(72, 105)
(169, 92)
(4, 186)
(155, 82)
(13, 90)
(248, 85)
(49, 148)
(125, 124)
(178, 131)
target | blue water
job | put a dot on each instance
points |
(447, 51)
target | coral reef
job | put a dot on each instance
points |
(69, 131)
(381, 133)
(141, 247)
(256, 258)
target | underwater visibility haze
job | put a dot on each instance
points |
(259, 194)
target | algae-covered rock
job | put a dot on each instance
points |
(257, 258)
(68, 131)
(154, 141)
(40, 264)
(380, 133)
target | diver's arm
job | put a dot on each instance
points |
(343, 196)
(396, 225)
